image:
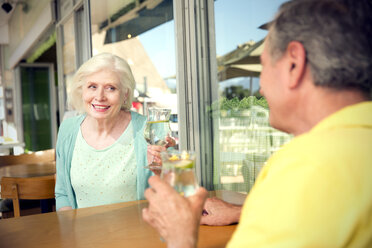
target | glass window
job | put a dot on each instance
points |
(141, 32)
(244, 139)
(73, 48)
(69, 52)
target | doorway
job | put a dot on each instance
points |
(37, 124)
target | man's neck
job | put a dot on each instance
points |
(322, 103)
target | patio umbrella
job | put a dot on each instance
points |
(244, 61)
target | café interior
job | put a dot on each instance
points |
(198, 58)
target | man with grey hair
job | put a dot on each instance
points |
(316, 191)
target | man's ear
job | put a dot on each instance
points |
(296, 63)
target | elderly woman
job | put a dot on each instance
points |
(102, 152)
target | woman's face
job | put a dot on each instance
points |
(101, 95)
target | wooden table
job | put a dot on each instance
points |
(108, 226)
(28, 170)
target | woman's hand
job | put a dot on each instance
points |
(153, 154)
(64, 208)
(171, 142)
(153, 157)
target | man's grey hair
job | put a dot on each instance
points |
(336, 35)
(102, 61)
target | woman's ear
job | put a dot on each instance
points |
(125, 95)
(297, 58)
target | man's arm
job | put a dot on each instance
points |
(219, 213)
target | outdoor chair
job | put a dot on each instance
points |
(33, 188)
(27, 206)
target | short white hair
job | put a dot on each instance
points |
(99, 62)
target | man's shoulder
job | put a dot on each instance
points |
(329, 149)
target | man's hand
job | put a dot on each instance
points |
(219, 213)
(175, 217)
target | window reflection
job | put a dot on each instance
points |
(68, 52)
(244, 137)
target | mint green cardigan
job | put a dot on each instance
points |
(67, 134)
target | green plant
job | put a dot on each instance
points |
(236, 105)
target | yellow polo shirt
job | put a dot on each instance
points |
(317, 190)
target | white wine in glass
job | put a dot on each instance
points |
(157, 129)
(156, 132)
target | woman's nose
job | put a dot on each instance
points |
(100, 94)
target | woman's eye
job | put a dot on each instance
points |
(111, 88)
(91, 86)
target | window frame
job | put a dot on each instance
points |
(196, 75)
(80, 12)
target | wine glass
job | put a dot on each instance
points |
(157, 129)
(178, 171)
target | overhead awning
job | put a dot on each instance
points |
(244, 61)
(134, 19)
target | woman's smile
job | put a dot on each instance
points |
(100, 108)
(102, 95)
